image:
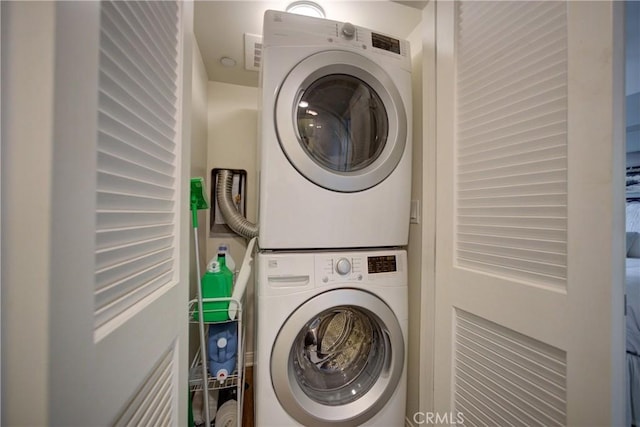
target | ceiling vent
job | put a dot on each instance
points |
(252, 52)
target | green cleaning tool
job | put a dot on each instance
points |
(198, 198)
(198, 202)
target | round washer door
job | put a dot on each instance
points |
(338, 359)
(341, 121)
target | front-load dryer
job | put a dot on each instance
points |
(331, 335)
(334, 136)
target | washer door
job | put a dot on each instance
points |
(337, 359)
(341, 121)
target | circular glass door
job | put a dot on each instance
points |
(341, 363)
(338, 355)
(341, 121)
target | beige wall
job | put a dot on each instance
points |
(199, 131)
(632, 48)
(28, 37)
(232, 136)
(421, 249)
(414, 249)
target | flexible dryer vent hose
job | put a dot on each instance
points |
(234, 219)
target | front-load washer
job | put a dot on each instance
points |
(334, 135)
(331, 336)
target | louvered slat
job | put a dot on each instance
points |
(118, 111)
(163, 32)
(118, 254)
(115, 219)
(113, 88)
(131, 39)
(153, 34)
(122, 166)
(496, 31)
(154, 402)
(511, 140)
(543, 176)
(121, 69)
(505, 378)
(136, 158)
(120, 147)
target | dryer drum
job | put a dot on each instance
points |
(342, 123)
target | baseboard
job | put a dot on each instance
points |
(248, 358)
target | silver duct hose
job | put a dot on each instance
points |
(233, 218)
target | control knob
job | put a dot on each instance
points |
(343, 266)
(348, 30)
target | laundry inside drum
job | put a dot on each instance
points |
(338, 355)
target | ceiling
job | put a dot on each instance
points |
(219, 27)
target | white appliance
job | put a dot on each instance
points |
(335, 135)
(331, 331)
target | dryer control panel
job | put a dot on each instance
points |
(289, 29)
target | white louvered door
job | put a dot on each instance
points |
(139, 318)
(529, 240)
(120, 258)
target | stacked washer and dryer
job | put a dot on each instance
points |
(334, 197)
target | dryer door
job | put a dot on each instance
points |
(338, 359)
(341, 121)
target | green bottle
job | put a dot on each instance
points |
(217, 282)
(222, 260)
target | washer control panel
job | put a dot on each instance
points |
(357, 267)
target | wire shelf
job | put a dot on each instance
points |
(223, 308)
(195, 378)
(216, 310)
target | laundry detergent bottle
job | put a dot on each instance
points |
(217, 282)
(222, 346)
(222, 261)
(223, 248)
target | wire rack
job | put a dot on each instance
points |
(235, 379)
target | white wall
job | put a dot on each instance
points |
(232, 144)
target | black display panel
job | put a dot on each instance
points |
(385, 42)
(381, 264)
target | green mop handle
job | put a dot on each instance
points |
(199, 201)
(194, 214)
